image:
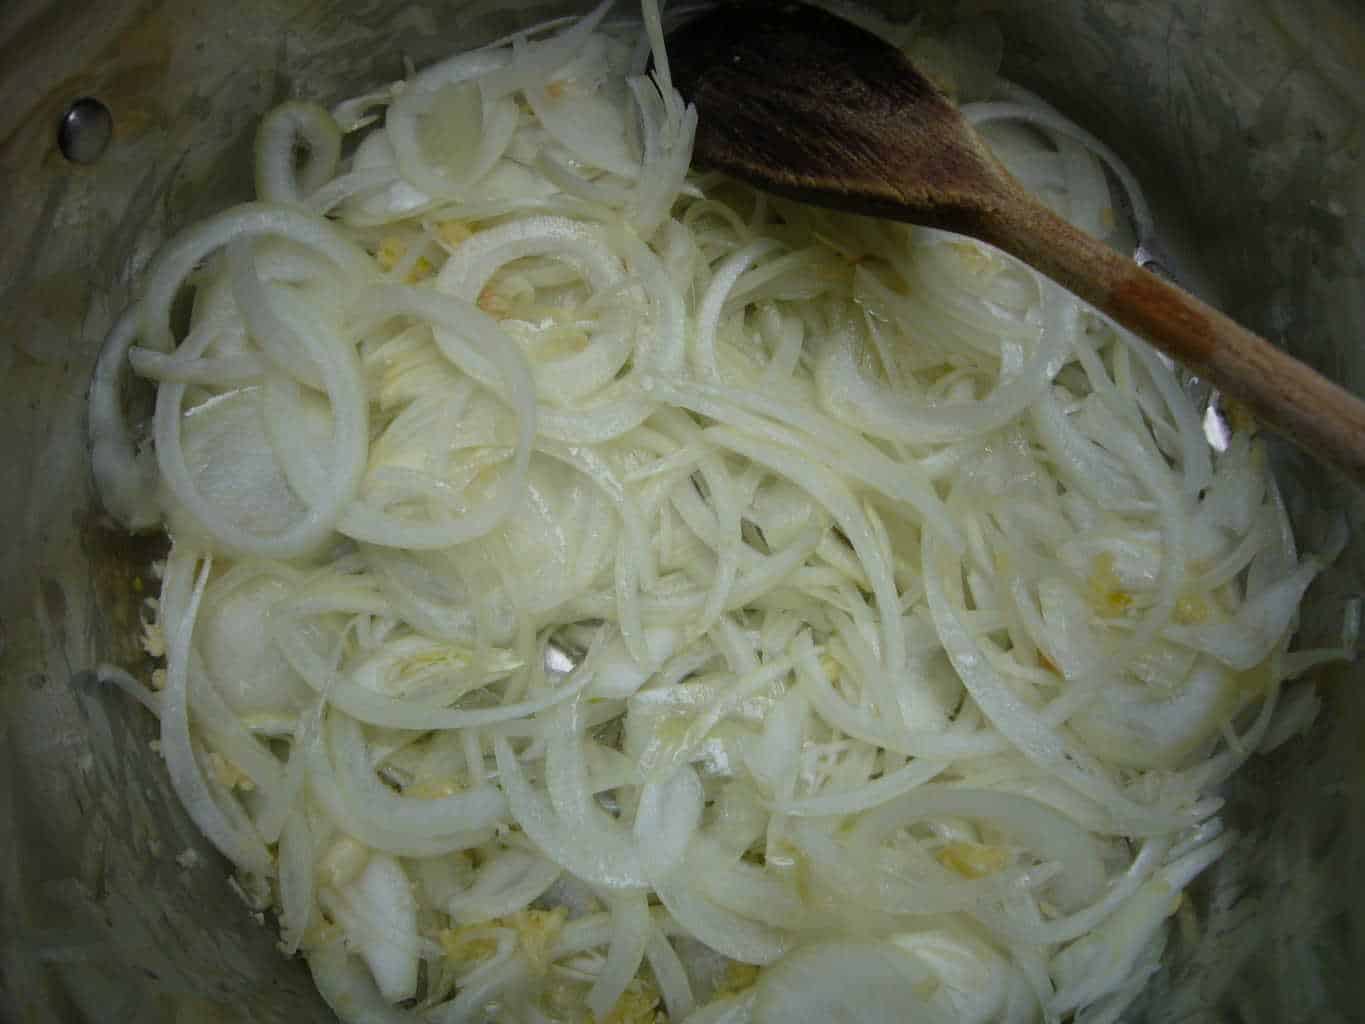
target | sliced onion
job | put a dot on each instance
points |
(216, 815)
(868, 982)
(669, 814)
(383, 915)
(606, 861)
(630, 930)
(349, 989)
(281, 131)
(124, 475)
(852, 592)
(471, 324)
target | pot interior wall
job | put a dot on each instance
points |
(1243, 118)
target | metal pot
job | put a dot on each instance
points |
(1245, 118)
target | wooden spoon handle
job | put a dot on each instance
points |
(1322, 417)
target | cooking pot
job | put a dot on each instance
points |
(1244, 118)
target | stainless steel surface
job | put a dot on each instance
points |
(1244, 117)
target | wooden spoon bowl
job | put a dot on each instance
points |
(801, 103)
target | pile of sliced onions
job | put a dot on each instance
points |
(593, 580)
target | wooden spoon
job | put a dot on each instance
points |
(804, 104)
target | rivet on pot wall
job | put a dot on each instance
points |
(84, 131)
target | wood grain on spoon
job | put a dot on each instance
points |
(804, 104)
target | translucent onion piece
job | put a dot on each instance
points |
(282, 131)
(125, 476)
(868, 982)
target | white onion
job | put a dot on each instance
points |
(296, 856)
(752, 584)
(669, 814)
(669, 974)
(505, 885)
(612, 864)
(1046, 831)
(374, 802)
(730, 934)
(630, 925)
(383, 913)
(867, 981)
(220, 819)
(125, 475)
(344, 981)
(281, 131)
